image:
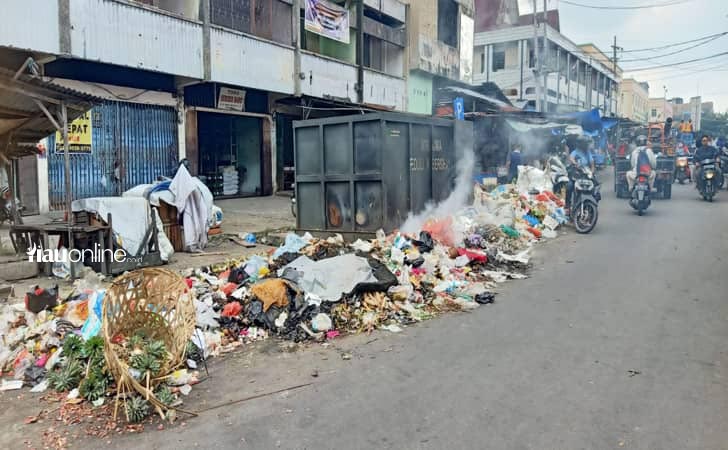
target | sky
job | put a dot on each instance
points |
(655, 27)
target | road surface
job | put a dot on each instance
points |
(618, 340)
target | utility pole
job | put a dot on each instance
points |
(614, 71)
(360, 51)
(545, 107)
(537, 69)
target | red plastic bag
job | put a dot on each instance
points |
(535, 232)
(473, 255)
(441, 230)
(232, 309)
(228, 288)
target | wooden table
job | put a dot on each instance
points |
(27, 235)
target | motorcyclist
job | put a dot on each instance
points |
(643, 160)
(580, 156)
(705, 151)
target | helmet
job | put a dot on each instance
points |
(641, 140)
(583, 142)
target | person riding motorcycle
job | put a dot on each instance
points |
(643, 160)
(580, 156)
(705, 151)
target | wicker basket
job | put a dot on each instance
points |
(158, 303)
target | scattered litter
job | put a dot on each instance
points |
(321, 322)
(394, 328)
(485, 298)
(10, 385)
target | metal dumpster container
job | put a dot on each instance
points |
(357, 174)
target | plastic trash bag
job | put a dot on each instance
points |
(533, 179)
(255, 265)
(206, 317)
(92, 326)
(293, 244)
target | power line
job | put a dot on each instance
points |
(642, 69)
(650, 58)
(718, 68)
(654, 5)
(667, 46)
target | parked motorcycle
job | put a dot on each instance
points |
(709, 179)
(682, 169)
(640, 199)
(7, 213)
(584, 200)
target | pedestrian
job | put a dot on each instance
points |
(515, 159)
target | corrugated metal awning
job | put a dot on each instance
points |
(524, 127)
(23, 121)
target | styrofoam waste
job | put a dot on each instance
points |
(550, 223)
(362, 246)
(321, 322)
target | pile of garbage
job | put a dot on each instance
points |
(317, 289)
(308, 289)
(52, 341)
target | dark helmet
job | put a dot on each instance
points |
(640, 140)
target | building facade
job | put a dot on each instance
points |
(634, 100)
(504, 54)
(440, 37)
(659, 109)
(234, 73)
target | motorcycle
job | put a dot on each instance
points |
(584, 200)
(724, 165)
(7, 213)
(682, 169)
(640, 200)
(559, 176)
(709, 179)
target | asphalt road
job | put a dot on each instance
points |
(618, 340)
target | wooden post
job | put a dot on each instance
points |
(7, 162)
(66, 161)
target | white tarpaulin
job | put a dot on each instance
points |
(130, 218)
(329, 278)
(190, 202)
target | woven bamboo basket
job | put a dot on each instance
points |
(157, 303)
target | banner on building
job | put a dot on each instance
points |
(327, 19)
(233, 99)
(79, 136)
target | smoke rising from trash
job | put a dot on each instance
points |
(457, 199)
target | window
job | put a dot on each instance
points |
(530, 91)
(654, 112)
(479, 59)
(447, 19)
(373, 54)
(499, 57)
(531, 55)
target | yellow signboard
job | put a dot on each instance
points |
(79, 136)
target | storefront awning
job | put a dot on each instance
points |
(524, 127)
(30, 110)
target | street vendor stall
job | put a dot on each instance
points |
(31, 108)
